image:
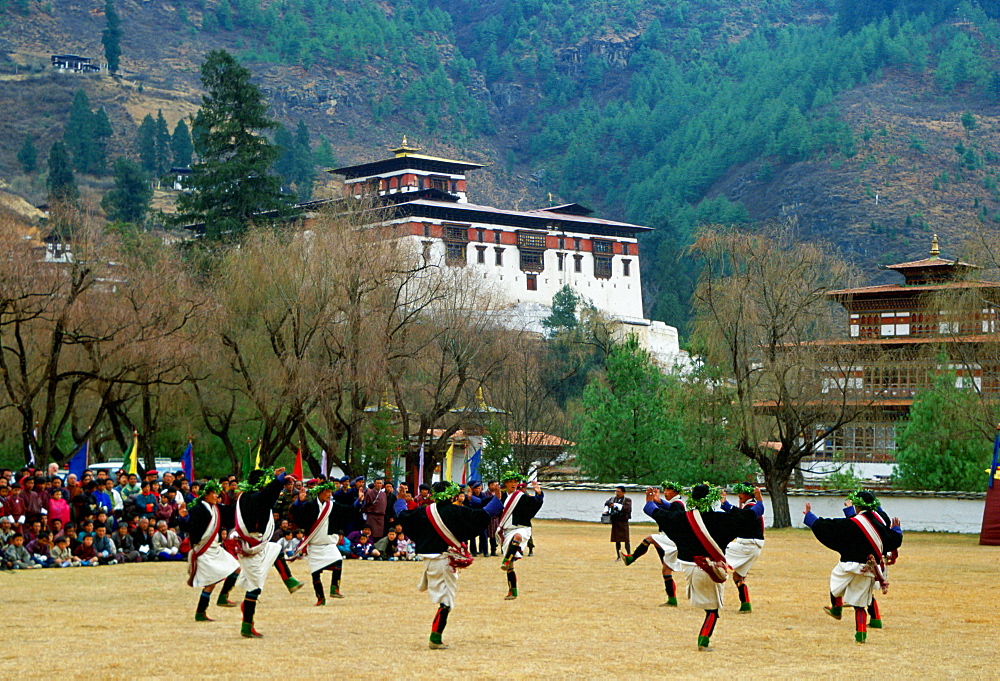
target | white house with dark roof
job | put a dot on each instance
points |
(525, 255)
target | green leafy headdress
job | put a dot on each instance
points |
(744, 488)
(704, 496)
(209, 486)
(864, 500)
(511, 475)
(331, 485)
(261, 478)
(446, 491)
(670, 484)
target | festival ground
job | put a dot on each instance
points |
(580, 614)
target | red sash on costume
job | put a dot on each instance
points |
(508, 510)
(320, 524)
(871, 534)
(458, 554)
(250, 545)
(211, 533)
(714, 564)
(876, 562)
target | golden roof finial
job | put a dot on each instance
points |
(935, 248)
(480, 400)
(404, 148)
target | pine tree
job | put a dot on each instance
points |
(285, 163)
(324, 153)
(61, 183)
(101, 132)
(28, 155)
(146, 142)
(305, 164)
(111, 37)
(79, 133)
(564, 305)
(162, 144)
(129, 200)
(937, 449)
(181, 146)
(624, 432)
(234, 182)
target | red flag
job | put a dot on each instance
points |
(297, 471)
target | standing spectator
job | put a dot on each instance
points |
(124, 546)
(390, 506)
(620, 508)
(101, 498)
(145, 502)
(132, 488)
(117, 501)
(474, 499)
(58, 509)
(166, 543)
(53, 470)
(86, 552)
(106, 552)
(373, 504)
(33, 501)
(424, 497)
(14, 506)
(345, 495)
(493, 490)
(164, 510)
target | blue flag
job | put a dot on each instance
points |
(474, 464)
(996, 458)
(78, 464)
(187, 462)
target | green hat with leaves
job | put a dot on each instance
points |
(511, 475)
(704, 496)
(864, 500)
(744, 488)
(331, 485)
(258, 479)
(445, 491)
(209, 486)
(670, 484)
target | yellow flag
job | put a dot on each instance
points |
(133, 456)
(448, 456)
(256, 463)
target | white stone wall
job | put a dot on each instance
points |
(619, 297)
(918, 513)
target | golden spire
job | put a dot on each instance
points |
(480, 400)
(404, 148)
(935, 248)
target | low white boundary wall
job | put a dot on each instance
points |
(941, 512)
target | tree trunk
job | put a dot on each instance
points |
(777, 487)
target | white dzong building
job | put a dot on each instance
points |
(525, 255)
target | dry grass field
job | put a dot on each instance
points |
(580, 614)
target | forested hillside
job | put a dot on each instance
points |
(868, 124)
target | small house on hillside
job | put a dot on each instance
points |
(74, 62)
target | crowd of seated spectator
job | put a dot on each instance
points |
(52, 520)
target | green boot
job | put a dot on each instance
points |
(247, 631)
(703, 644)
(875, 624)
(836, 612)
(746, 607)
(202, 617)
(860, 636)
(293, 585)
(511, 595)
(335, 591)
(224, 602)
